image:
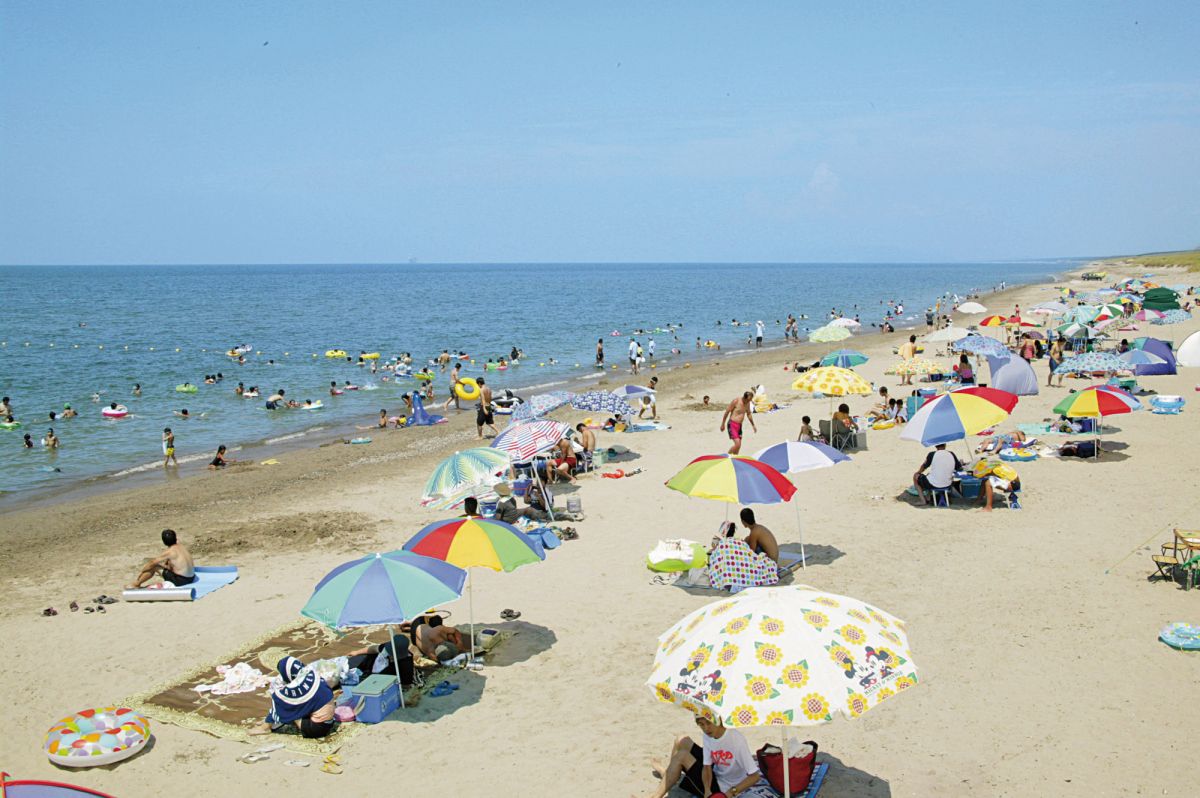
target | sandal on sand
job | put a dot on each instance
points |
(250, 759)
(509, 615)
(49, 612)
(74, 606)
(104, 600)
(443, 689)
(89, 609)
(298, 763)
(332, 768)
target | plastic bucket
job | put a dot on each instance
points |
(574, 504)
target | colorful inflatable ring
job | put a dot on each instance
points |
(335, 353)
(886, 424)
(1018, 455)
(467, 389)
(314, 406)
(9, 424)
(94, 737)
(421, 376)
(1183, 636)
(495, 367)
(118, 412)
(370, 356)
(186, 387)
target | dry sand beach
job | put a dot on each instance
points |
(1034, 630)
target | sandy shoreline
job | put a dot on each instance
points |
(1041, 673)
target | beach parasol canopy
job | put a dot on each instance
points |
(629, 392)
(971, 308)
(844, 358)
(782, 656)
(1173, 317)
(476, 543)
(523, 441)
(462, 471)
(829, 334)
(602, 402)
(1091, 361)
(541, 404)
(957, 414)
(1074, 329)
(993, 321)
(792, 457)
(732, 478)
(1096, 401)
(832, 381)
(917, 365)
(845, 322)
(1146, 314)
(1049, 308)
(947, 334)
(981, 345)
(1140, 357)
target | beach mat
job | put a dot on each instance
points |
(209, 578)
(232, 716)
(649, 426)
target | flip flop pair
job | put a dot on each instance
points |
(509, 615)
(443, 689)
(332, 765)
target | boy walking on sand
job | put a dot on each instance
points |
(168, 445)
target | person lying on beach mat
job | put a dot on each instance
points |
(1081, 449)
(175, 565)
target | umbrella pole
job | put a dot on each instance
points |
(471, 611)
(787, 771)
(396, 663)
(800, 531)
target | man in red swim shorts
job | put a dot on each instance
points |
(735, 416)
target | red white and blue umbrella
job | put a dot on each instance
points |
(957, 414)
(524, 441)
(791, 457)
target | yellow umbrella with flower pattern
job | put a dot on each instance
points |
(832, 381)
(917, 365)
(783, 656)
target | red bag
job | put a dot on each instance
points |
(770, 762)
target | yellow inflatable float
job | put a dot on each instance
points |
(370, 356)
(335, 353)
(467, 389)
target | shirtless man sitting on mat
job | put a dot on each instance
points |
(175, 565)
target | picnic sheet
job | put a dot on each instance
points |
(208, 579)
(232, 716)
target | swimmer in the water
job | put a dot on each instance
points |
(68, 412)
(28, 442)
(51, 440)
(182, 413)
(96, 397)
(137, 389)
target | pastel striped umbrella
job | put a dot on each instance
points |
(523, 441)
(476, 543)
(957, 414)
(1140, 357)
(463, 470)
(844, 358)
(832, 381)
(732, 478)
(1146, 314)
(830, 333)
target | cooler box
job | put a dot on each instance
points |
(520, 487)
(487, 638)
(488, 509)
(375, 697)
(599, 457)
(970, 487)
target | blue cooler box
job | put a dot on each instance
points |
(970, 487)
(375, 697)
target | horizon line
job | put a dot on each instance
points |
(923, 262)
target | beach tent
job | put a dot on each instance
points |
(1163, 350)
(1013, 374)
(421, 418)
(1189, 352)
(1161, 299)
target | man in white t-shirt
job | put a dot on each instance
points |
(723, 763)
(758, 333)
(937, 472)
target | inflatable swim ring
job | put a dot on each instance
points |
(186, 387)
(335, 353)
(495, 367)
(370, 356)
(1018, 455)
(314, 406)
(9, 424)
(360, 440)
(885, 424)
(467, 389)
(94, 737)
(120, 411)
(249, 394)
(1183, 636)
(233, 353)
(710, 344)
(420, 376)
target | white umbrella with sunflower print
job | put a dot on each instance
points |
(783, 656)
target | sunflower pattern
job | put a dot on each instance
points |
(768, 654)
(832, 381)
(770, 651)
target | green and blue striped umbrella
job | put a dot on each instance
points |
(844, 358)
(478, 467)
(383, 589)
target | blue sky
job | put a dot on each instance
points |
(158, 132)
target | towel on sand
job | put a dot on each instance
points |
(208, 579)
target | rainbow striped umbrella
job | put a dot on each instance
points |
(1097, 401)
(476, 543)
(732, 478)
(957, 414)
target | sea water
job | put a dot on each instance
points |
(68, 332)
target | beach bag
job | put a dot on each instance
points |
(800, 767)
(671, 556)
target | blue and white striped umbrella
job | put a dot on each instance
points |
(1092, 361)
(980, 345)
(628, 392)
(541, 404)
(602, 402)
(791, 457)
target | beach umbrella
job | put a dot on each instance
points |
(981, 345)
(1049, 308)
(1146, 314)
(1096, 402)
(541, 404)
(1091, 361)
(957, 414)
(792, 457)
(917, 365)
(471, 468)
(383, 589)
(832, 381)
(1074, 329)
(971, 308)
(602, 402)
(947, 334)
(829, 334)
(993, 321)
(845, 322)
(1035, 335)
(1173, 316)
(844, 358)
(1140, 357)
(631, 392)
(523, 441)
(1083, 313)
(782, 656)
(476, 543)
